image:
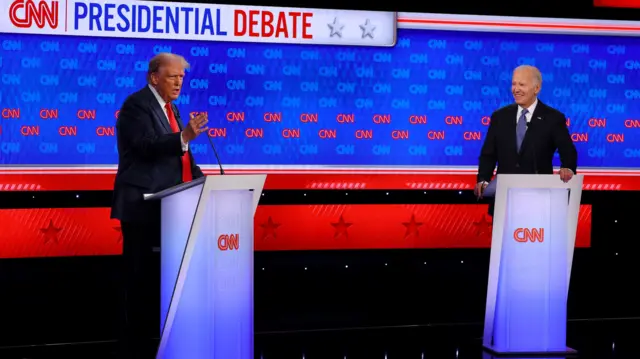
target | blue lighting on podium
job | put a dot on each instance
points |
(207, 270)
(532, 248)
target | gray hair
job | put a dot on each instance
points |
(161, 59)
(534, 71)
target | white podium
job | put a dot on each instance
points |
(207, 267)
(534, 233)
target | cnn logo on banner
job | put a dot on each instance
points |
(227, 242)
(24, 13)
(524, 235)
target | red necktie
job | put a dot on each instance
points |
(186, 161)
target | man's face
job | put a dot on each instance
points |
(524, 87)
(168, 80)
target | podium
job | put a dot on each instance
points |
(534, 234)
(206, 290)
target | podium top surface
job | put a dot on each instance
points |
(531, 181)
(537, 181)
(175, 189)
(215, 182)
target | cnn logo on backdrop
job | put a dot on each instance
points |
(524, 235)
(229, 242)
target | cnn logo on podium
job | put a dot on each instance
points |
(524, 235)
(227, 242)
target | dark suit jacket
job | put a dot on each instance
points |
(547, 133)
(148, 157)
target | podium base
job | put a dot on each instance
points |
(569, 352)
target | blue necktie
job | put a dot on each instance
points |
(521, 129)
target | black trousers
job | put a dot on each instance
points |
(140, 323)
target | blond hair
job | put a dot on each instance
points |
(161, 59)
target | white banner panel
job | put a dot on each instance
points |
(204, 22)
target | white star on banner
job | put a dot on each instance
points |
(336, 28)
(367, 29)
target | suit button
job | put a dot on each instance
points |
(517, 165)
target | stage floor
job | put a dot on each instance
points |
(597, 339)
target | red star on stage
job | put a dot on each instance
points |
(341, 227)
(269, 228)
(119, 230)
(483, 226)
(51, 232)
(412, 227)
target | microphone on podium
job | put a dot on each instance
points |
(216, 154)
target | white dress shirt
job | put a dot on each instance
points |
(163, 103)
(529, 114)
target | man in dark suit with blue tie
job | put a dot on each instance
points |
(523, 137)
(153, 155)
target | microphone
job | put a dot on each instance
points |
(214, 149)
(533, 146)
(216, 154)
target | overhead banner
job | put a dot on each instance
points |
(203, 22)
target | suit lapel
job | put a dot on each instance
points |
(511, 129)
(157, 111)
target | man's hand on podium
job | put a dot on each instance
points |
(480, 187)
(566, 174)
(196, 126)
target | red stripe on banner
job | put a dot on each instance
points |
(88, 182)
(518, 24)
(64, 232)
(56, 182)
(58, 232)
(617, 3)
(423, 182)
(325, 227)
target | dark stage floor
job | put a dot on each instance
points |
(597, 339)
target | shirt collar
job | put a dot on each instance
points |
(530, 108)
(162, 102)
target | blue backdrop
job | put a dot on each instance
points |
(423, 102)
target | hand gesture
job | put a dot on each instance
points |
(565, 174)
(480, 186)
(196, 126)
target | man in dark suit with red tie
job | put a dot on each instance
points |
(523, 137)
(153, 155)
